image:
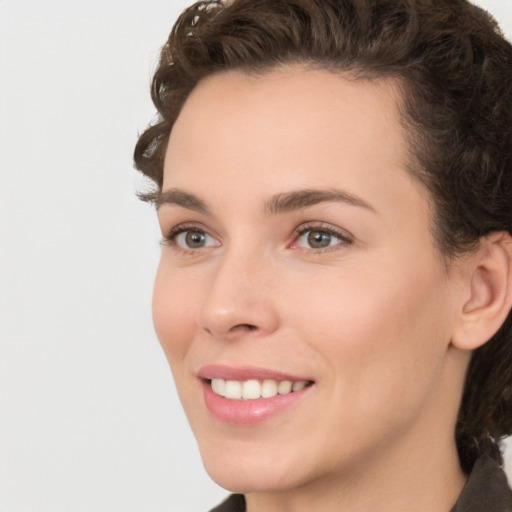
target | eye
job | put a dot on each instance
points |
(319, 238)
(316, 239)
(191, 238)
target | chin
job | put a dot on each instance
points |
(243, 472)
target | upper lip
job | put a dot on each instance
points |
(242, 373)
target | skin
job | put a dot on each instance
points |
(370, 318)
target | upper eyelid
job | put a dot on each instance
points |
(169, 237)
(345, 236)
(323, 226)
(186, 226)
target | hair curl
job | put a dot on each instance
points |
(455, 70)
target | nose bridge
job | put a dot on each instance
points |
(239, 298)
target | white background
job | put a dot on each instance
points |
(89, 419)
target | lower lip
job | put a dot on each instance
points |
(248, 412)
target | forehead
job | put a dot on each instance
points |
(286, 129)
(292, 104)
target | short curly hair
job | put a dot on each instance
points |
(454, 68)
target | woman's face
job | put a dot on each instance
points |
(300, 249)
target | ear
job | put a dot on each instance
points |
(488, 299)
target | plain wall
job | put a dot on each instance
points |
(89, 418)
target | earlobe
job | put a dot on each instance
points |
(490, 292)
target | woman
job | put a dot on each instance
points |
(334, 188)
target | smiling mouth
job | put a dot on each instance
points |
(254, 389)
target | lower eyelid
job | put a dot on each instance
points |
(341, 238)
(337, 239)
(171, 238)
(174, 235)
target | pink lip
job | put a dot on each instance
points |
(217, 371)
(246, 412)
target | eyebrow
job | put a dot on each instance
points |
(279, 203)
(180, 198)
(298, 199)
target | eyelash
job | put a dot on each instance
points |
(342, 236)
(344, 239)
(170, 238)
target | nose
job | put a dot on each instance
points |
(239, 299)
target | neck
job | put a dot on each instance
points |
(431, 482)
(417, 470)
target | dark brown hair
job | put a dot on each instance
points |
(454, 68)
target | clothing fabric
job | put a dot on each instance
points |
(486, 490)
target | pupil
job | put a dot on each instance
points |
(195, 239)
(318, 239)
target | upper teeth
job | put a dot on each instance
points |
(254, 389)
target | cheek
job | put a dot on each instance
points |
(173, 313)
(382, 337)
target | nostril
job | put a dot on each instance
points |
(243, 327)
(234, 331)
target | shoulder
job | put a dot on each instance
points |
(234, 503)
(486, 489)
